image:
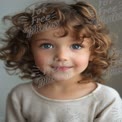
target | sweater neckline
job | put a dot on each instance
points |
(67, 100)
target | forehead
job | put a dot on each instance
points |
(56, 35)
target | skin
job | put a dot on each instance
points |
(64, 59)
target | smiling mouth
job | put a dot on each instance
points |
(61, 68)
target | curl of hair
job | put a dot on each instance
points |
(80, 17)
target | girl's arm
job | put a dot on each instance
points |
(13, 109)
(112, 112)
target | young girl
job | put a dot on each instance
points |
(64, 49)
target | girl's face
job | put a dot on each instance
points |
(62, 58)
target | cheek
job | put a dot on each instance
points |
(82, 61)
(42, 60)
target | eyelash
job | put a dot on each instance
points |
(48, 45)
(45, 44)
(77, 45)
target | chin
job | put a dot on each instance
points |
(62, 77)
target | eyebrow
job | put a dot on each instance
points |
(47, 39)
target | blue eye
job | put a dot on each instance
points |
(46, 46)
(76, 46)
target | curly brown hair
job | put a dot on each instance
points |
(78, 17)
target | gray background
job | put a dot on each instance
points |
(110, 12)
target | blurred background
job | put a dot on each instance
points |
(110, 11)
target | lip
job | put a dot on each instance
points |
(62, 68)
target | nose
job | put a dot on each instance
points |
(61, 55)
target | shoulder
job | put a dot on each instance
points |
(21, 87)
(109, 104)
(106, 95)
(107, 92)
(20, 90)
(108, 100)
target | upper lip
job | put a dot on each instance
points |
(61, 66)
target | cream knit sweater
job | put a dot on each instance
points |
(24, 104)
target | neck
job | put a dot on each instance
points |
(65, 85)
(64, 90)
